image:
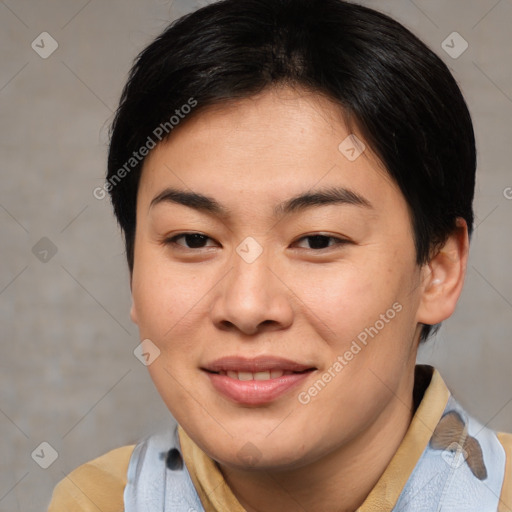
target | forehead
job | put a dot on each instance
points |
(267, 147)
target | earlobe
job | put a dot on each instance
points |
(443, 277)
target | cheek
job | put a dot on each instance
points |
(348, 297)
(169, 307)
(168, 301)
(366, 313)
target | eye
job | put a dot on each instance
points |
(192, 240)
(316, 242)
(319, 242)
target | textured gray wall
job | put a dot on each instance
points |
(68, 375)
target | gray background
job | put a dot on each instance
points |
(68, 375)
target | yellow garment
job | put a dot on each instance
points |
(506, 491)
(95, 486)
(99, 484)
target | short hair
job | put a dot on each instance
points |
(399, 93)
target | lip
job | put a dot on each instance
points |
(255, 392)
(256, 364)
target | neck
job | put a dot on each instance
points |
(338, 482)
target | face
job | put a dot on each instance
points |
(284, 302)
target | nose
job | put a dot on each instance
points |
(252, 298)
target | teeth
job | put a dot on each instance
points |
(261, 376)
(266, 375)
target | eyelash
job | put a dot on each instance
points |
(172, 241)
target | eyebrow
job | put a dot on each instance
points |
(301, 202)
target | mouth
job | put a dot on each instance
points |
(255, 381)
(260, 375)
(261, 364)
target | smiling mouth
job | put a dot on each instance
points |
(257, 381)
(260, 375)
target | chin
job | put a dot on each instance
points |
(256, 451)
(250, 458)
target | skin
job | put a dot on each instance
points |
(294, 301)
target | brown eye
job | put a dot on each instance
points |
(191, 240)
(319, 242)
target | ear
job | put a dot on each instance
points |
(443, 277)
